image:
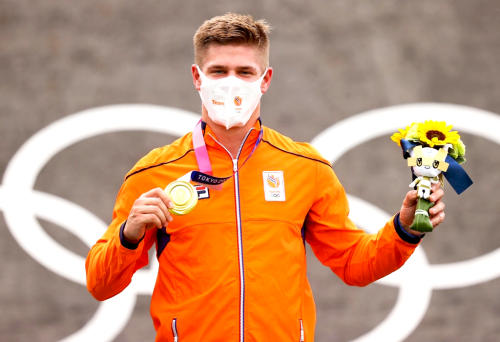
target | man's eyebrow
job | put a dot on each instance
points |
(247, 67)
(216, 66)
(243, 67)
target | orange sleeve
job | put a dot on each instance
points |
(110, 265)
(356, 257)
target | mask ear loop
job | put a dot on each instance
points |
(202, 75)
(263, 75)
(261, 79)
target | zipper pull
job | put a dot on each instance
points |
(235, 165)
(301, 332)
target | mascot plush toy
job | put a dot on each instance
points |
(432, 150)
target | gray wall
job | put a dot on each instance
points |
(332, 60)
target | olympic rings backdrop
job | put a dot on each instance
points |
(90, 87)
(416, 280)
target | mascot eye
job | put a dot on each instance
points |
(419, 161)
(435, 164)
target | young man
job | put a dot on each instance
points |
(234, 269)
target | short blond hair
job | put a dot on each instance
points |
(229, 29)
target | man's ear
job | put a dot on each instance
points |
(266, 81)
(196, 77)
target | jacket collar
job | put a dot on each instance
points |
(210, 136)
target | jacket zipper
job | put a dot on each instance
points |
(174, 330)
(301, 331)
(240, 239)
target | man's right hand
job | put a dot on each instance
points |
(149, 211)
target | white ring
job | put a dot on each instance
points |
(361, 128)
(21, 204)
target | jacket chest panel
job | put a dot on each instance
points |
(294, 175)
(294, 181)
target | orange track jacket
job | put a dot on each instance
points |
(234, 269)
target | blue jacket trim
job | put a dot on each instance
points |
(127, 244)
(162, 240)
(403, 234)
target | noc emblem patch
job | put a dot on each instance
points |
(274, 186)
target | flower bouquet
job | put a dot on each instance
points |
(432, 150)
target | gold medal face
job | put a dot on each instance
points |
(183, 195)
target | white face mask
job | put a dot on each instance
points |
(230, 101)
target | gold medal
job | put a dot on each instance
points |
(183, 195)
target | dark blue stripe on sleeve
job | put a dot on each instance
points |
(403, 234)
(125, 243)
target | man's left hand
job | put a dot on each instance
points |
(436, 213)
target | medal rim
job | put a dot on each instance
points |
(191, 203)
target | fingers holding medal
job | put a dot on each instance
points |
(150, 210)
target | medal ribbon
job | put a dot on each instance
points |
(205, 174)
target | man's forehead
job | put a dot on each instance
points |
(232, 56)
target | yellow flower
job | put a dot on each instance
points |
(437, 133)
(412, 134)
(408, 133)
(396, 137)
